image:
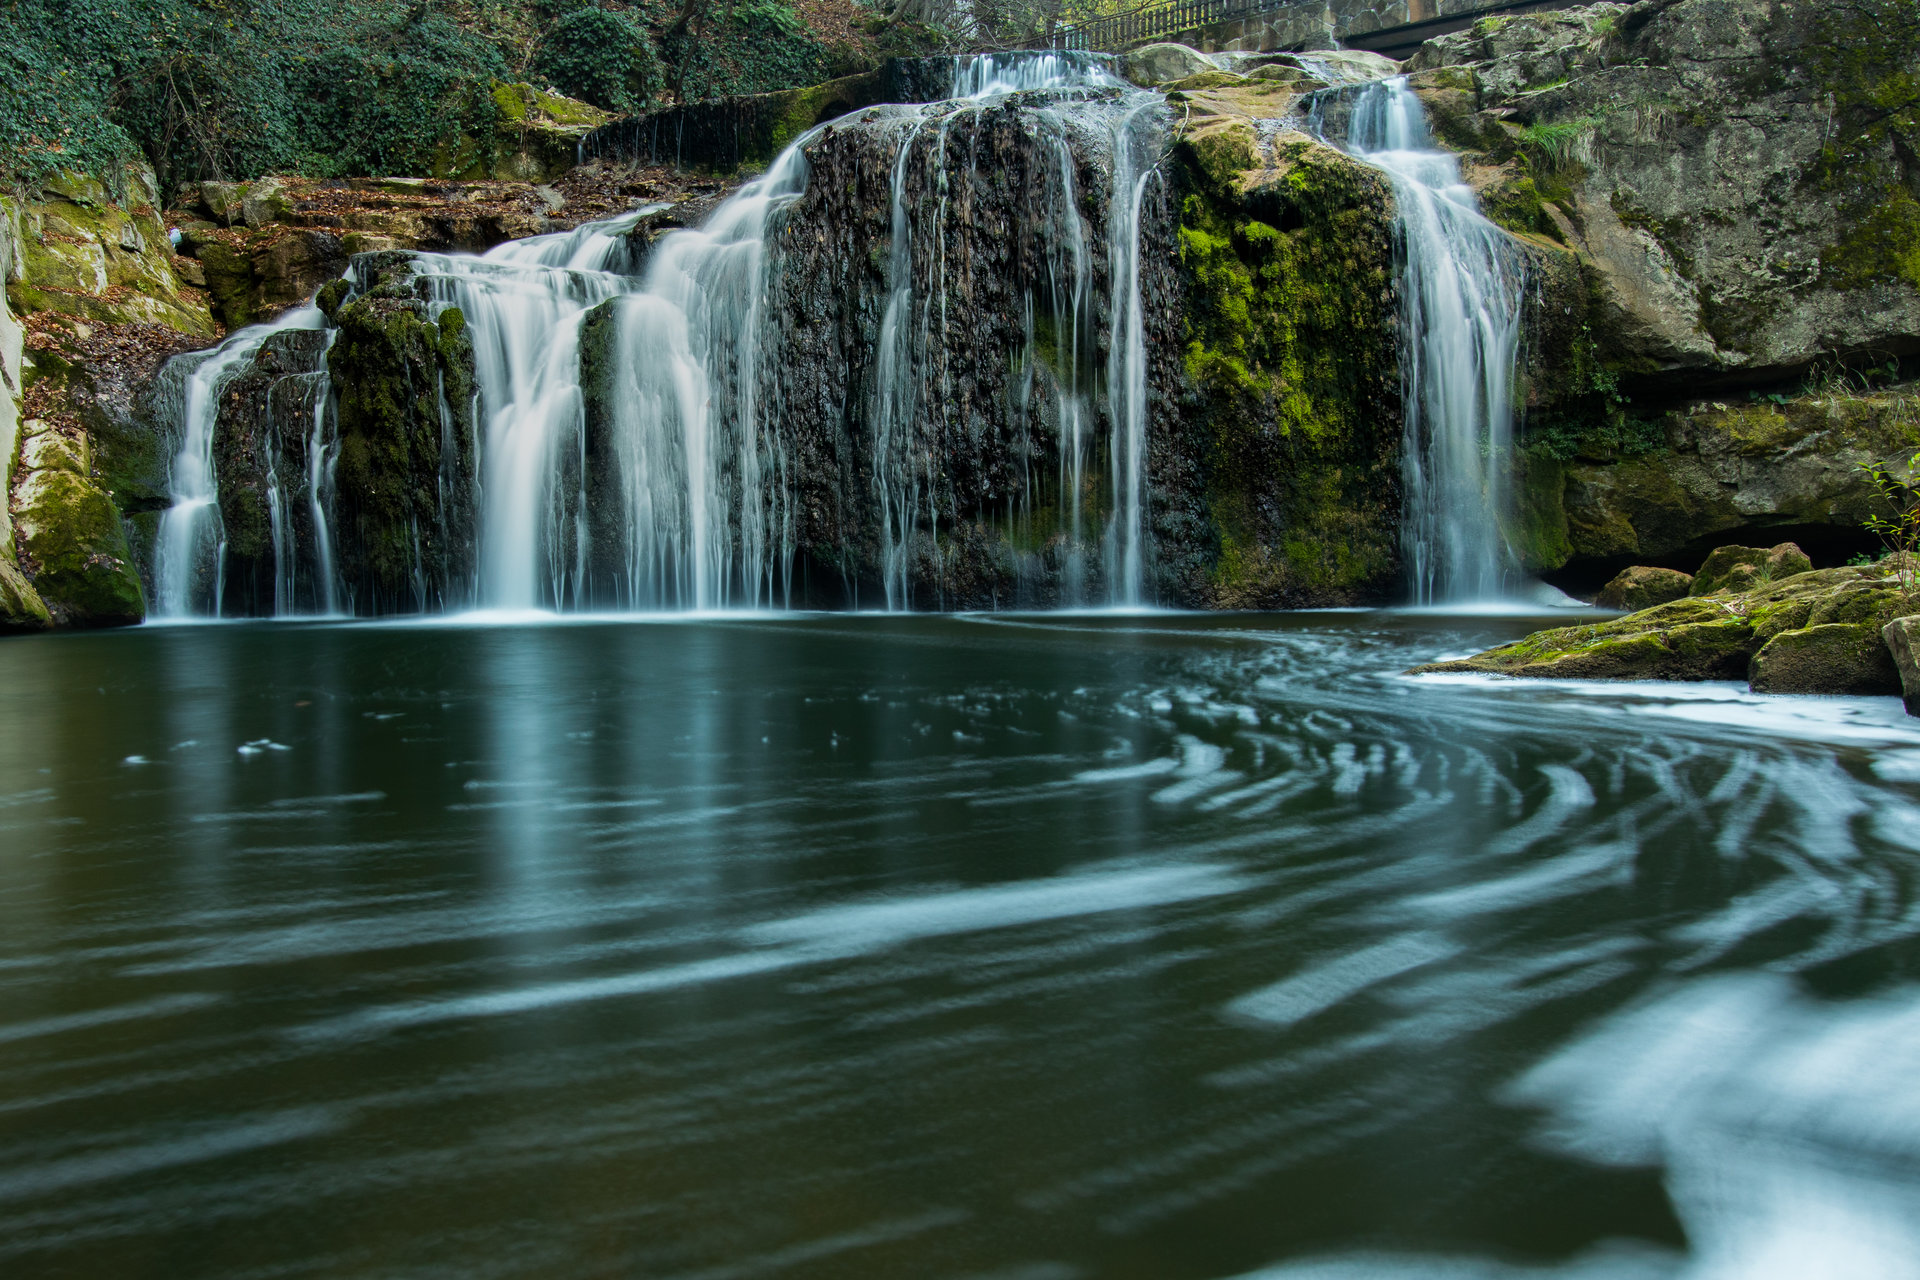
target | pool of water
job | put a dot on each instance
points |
(1014, 947)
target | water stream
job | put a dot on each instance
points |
(1460, 293)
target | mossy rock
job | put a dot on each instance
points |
(1902, 638)
(1834, 658)
(1643, 587)
(1744, 568)
(70, 531)
(1810, 627)
(21, 608)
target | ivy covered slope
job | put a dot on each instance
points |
(1721, 195)
(1290, 404)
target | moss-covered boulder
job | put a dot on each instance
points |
(69, 536)
(1156, 64)
(1643, 587)
(405, 520)
(1743, 568)
(1833, 657)
(1806, 633)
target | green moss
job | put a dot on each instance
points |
(1863, 61)
(1289, 353)
(394, 370)
(71, 533)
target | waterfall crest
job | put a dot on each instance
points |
(1460, 296)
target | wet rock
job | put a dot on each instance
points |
(1805, 633)
(405, 512)
(1156, 64)
(1902, 637)
(1642, 587)
(1290, 416)
(1743, 568)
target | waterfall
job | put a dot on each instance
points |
(623, 457)
(189, 556)
(524, 302)
(1082, 93)
(1460, 325)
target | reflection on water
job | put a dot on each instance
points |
(1018, 947)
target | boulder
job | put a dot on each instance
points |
(1642, 587)
(1158, 64)
(1833, 657)
(1804, 633)
(70, 533)
(1902, 638)
(21, 608)
(1743, 568)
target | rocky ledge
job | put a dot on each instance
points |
(1759, 614)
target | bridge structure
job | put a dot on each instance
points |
(1394, 28)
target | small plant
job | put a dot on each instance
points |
(1901, 530)
(1557, 144)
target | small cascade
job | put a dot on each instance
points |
(1460, 329)
(695, 499)
(524, 303)
(190, 552)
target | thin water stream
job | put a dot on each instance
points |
(1030, 946)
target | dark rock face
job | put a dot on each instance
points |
(994, 350)
(265, 437)
(405, 480)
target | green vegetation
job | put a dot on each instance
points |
(1864, 59)
(1900, 530)
(231, 89)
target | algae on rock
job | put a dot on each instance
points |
(406, 522)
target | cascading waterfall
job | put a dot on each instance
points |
(1460, 328)
(674, 493)
(1084, 92)
(524, 302)
(189, 556)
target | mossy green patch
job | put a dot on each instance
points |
(1289, 353)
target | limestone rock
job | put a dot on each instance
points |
(1902, 637)
(1156, 64)
(1686, 151)
(1743, 568)
(89, 255)
(1833, 657)
(1642, 587)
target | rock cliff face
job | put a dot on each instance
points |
(999, 358)
(1707, 187)
(1289, 410)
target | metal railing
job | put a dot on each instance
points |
(1115, 33)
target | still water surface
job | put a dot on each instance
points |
(1025, 948)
